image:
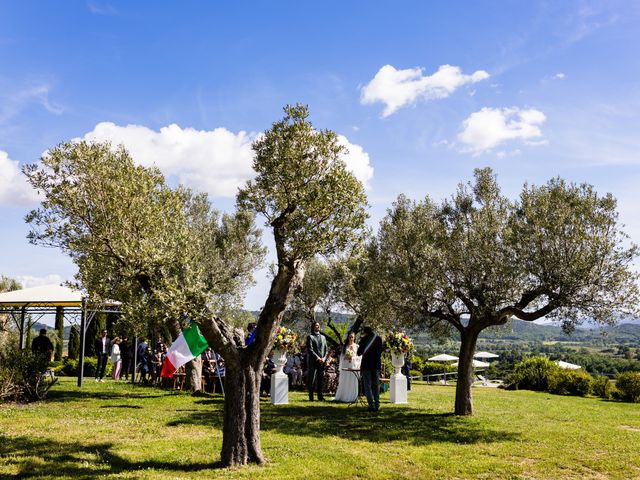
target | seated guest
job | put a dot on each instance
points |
(268, 370)
(218, 372)
(330, 380)
(293, 369)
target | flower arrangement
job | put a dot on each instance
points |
(399, 342)
(285, 340)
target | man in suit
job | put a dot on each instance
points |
(41, 345)
(370, 350)
(103, 350)
(316, 357)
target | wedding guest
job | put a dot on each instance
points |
(251, 333)
(268, 370)
(293, 370)
(125, 354)
(370, 350)
(316, 357)
(330, 377)
(103, 350)
(41, 345)
(116, 359)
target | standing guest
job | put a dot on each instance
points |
(219, 372)
(41, 345)
(251, 333)
(103, 350)
(207, 368)
(370, 350)
(125, 351)
(316, 358)
(116, 358)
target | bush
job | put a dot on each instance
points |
(570, 382)
(628, 386)
(602, 387)
(432, 368)
(22, 376)
(69, 367)
(415, 374)
(532, 374)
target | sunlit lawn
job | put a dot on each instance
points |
(114, 430)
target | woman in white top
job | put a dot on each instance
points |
(116, 358)
(348, 379)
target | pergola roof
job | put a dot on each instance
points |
(47, 298)
(43, 296)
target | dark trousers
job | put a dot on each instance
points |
(371, 387)
(102, 364)
(315, 374)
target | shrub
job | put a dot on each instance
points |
(415, 374)
(532, 374)
(431, 368)
(570, 382)
(602, 387)
(22, 376)
(628, 385)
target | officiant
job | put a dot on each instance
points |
(316, 358)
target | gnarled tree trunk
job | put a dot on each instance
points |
(241, 428)
(464, 399)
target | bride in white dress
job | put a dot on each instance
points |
(348, 381)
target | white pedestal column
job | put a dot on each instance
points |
(398, 382)
(279, 380)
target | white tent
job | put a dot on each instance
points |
(443, 357)
(486, 355)
(476, 364)
(43, 296)
(567, 365)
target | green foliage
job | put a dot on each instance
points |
(303, 188)
(602, 387)
(532, 374)
(70, 367)
(431, 368)
(164, 252)
(628, 386)
(22, 375)
(570, 382)
(74, 343)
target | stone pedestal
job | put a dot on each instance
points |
(398, 382)
(279, 380)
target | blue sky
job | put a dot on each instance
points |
(422, 93)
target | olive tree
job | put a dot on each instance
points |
(166, 251)
(478, 259)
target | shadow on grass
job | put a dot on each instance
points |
(51, 459)
(70, 395)
(354, 423)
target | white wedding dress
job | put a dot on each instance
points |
(348, 381)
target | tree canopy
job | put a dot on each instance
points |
(478, 259)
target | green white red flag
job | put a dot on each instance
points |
(187, 346)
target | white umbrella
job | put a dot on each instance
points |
(567, 365)
(486, 355)
(443, 357)
(476, 364)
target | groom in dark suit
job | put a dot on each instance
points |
(370, 350)
(316, 357)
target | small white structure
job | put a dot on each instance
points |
(567, 365)
(398, 382)
(476, 364)
(279, 380)
(486, 355)
(443, 357)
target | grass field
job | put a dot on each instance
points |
(115, 430)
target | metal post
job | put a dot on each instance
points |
(135, 359)
(23, 314)
(83, 331)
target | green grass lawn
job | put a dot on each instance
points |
(114, 430)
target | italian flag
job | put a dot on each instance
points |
(187, 346)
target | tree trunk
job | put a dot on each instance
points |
(194, 374)
(464, 399)
(241, 428)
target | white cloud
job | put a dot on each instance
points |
(399, 88)
(357, 161)
(14, 188)
(216, 161)
(560, 76)
(29, 281)
(490, 127)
